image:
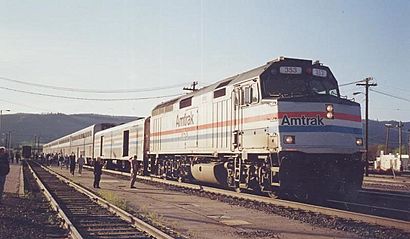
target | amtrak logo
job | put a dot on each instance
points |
(302, 121)
(185, 120)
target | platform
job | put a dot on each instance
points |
(198, 217)
(14, 181)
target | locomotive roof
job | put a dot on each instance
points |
(231, 80)
(256, 72)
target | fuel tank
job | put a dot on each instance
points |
(214, 173)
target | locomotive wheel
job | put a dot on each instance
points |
(273, 194)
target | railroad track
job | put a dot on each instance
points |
(398, 200)
(356, 211)
(88, 216)
(400, 184)
(389, 204)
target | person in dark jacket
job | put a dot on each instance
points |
(4, 169)
(72, 163)
(98, 165)
(61, 160)
(134, 170)
(80, 161)
(67, 161)
(18, 157)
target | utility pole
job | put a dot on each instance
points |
(1, 118)
(6, 140)
(38, 144)
(400, 126)
(367, 84)
(386, 147)
(34, 146)
(408, 142)
(194, 84)
(9, 139)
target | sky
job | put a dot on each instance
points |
(155, 48)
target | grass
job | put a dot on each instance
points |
(152, 216)
(114, 199)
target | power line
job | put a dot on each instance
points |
(90, 90)
(395, 88)
(390, 95)
(351, 83)
(88, 99)
(24, 105)
(391, 109)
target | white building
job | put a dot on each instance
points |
(392, 161)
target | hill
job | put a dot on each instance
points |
(25, 127)
(377, 133)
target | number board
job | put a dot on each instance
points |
(319, 72)
(293, 70)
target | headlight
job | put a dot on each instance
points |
(329, 115)
(329, 108)
(289, 139)
(359, 141)
(330, 111)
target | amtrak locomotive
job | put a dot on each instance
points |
(281, 127)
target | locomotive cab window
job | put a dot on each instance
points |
(250, 94)
(254, 93)
(323, 87)
(277, 83)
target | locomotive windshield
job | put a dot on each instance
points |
(293, 82)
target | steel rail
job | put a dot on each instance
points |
(21, 186)
(152, 231)
(67, 223)
(371, 219)
(369, 206)
(395, 194)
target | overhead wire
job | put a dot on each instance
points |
(390, 95)
(351, 83)
(91, 90)
(24, 105)
(89, 99)
(395, 88)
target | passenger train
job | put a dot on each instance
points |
(281, 127)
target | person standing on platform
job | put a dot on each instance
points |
(4, 169)
(134, 170)
(18, 157)
(11, 156)
(80, 164)
(97, 172)
(67, 161)
(72, 163)
(61, 160)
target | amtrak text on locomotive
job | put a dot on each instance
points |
(302, 121)
(185, 120)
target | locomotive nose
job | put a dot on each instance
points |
(317, 127)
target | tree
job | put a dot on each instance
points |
(403, 150)
(374, 151)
